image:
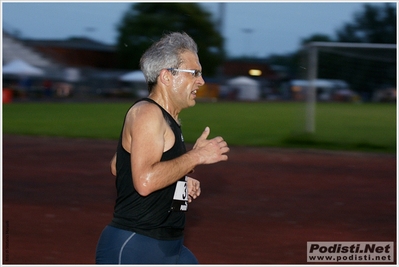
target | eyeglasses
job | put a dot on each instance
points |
(195, 73)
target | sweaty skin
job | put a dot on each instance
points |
(153, 136)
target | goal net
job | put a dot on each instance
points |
(355, 72)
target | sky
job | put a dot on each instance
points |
(254, 28)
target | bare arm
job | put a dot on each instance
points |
(149, 130)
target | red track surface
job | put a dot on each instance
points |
(260, 207)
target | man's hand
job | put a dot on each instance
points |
(193, 188)
(210, 151)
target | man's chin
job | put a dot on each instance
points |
(192, 102)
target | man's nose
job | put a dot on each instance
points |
(201, 81)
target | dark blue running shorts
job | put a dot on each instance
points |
(117, 246)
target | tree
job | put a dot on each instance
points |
(293, 62)
(366, 69)
(374, 24)
(316, 38)
(145, 23)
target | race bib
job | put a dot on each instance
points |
(180, 198)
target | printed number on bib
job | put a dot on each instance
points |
(180, 198)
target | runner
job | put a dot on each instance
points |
(151, 163)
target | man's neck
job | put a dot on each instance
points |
(164, 101)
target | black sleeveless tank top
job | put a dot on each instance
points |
(152, 215)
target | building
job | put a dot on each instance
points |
(255, 68)
(77, 52)
(94, 64)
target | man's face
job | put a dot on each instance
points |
(185, 84)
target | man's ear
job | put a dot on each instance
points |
(165, 77)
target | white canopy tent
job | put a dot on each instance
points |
(137, 79)
(21, 68)
(247, 88)
(134, 76)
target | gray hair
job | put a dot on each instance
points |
(165, 54)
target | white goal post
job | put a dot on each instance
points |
(312, 50)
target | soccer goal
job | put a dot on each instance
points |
(333, 71)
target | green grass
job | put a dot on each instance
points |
(357, 126)
(89, 120)
(339, 126)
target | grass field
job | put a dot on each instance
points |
(339, 126)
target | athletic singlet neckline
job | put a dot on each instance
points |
(154, 102)
(164, 110)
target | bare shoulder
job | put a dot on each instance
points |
(144, 114)
(145, 122)
(144, 110)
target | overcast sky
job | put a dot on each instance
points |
(250, 28)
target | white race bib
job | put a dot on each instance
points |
(180, 198)
(181, 191)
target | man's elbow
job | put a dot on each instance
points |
(142, 191)
(113, 165)
(142, 187)
(113, 170)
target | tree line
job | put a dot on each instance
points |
(144, 23)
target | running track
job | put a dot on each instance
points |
(260, 207)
